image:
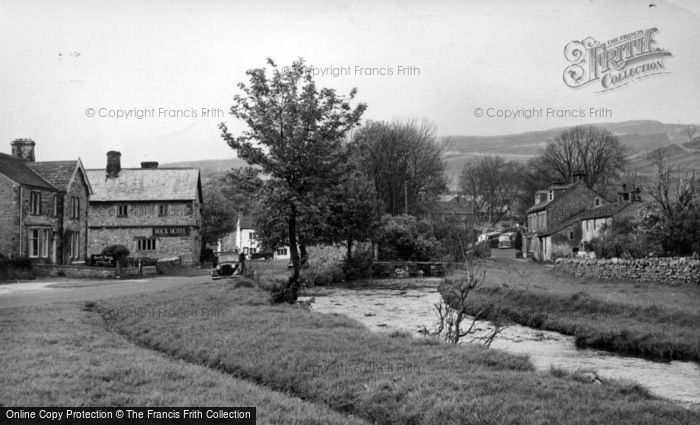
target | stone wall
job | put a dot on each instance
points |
(669, 271)
(9, 218)
(53, 270)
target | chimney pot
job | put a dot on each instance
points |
(149, 164)
(114, 165)
(24, 149)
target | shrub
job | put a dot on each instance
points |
(321, 275)
(359, 266)
(405, 237)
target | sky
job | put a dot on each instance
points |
(69, 68)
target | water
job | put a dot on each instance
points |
(407, 310)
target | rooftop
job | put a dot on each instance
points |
(150, 184)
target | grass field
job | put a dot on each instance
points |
(644, 319)
(63, 356)
(332, 361)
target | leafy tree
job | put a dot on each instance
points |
(223, 198)
(493, 185)
(294, 134)
(673, 219)
(405, 237)
(404, 161)
(352, 213)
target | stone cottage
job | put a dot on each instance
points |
(43, 207)
(554, 207)
(154, 212)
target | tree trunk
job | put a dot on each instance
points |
(349, 255)
(304, 258)
(293, 283)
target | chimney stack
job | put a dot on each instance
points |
(149, 165)
(114, 164)
(23, 149)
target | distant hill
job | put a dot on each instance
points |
(640, 137)
(643, 139)
(210, 168)
(682, 157)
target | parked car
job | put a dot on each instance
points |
(505, 240)
(228, 266)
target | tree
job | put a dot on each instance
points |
(404, 161)
(294, 134)
(691, 130)
(224, 196)
(593, 152)
(673, 219)
(352, 213)
(493, 186)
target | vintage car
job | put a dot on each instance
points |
(505, 240)
(228, 266)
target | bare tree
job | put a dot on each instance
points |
(594, 152)
(454, 321)
(404, 160)
(691, 130)
(493, 185)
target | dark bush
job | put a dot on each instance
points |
(359, 266)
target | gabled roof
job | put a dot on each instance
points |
(603, 211)
(608, 210)
(567, 188)
(146, 184)
(18, 171)
(60, 173)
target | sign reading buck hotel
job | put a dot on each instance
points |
(616, 62)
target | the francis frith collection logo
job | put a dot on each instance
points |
(616, 62)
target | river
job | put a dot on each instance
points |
(385, 309)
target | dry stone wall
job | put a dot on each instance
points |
(669, 271)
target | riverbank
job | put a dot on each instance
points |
(641, 319)
(333, 361)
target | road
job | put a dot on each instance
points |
(43, 292)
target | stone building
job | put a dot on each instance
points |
(154, 212)
(554, 207)
(43, 207)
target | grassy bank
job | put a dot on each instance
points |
(332, 360)
(648, 320)
(63, 356)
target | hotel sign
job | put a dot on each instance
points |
(171, 231)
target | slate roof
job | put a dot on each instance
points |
(139, 184)
(58, 173)
(18, 171)
(607, 210)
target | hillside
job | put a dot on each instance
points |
(210, 167)
(643, 140)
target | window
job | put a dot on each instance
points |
(251, 236)
(146, 244)
(55, 205)
(122, 210)
(74, 245)
(35, 203)
(162, 210)
(245, 250)
(74, 207)
(253, 250)
(551, 195)
(597, 202)
(571, 235)
(39, 242)
(281, 251)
